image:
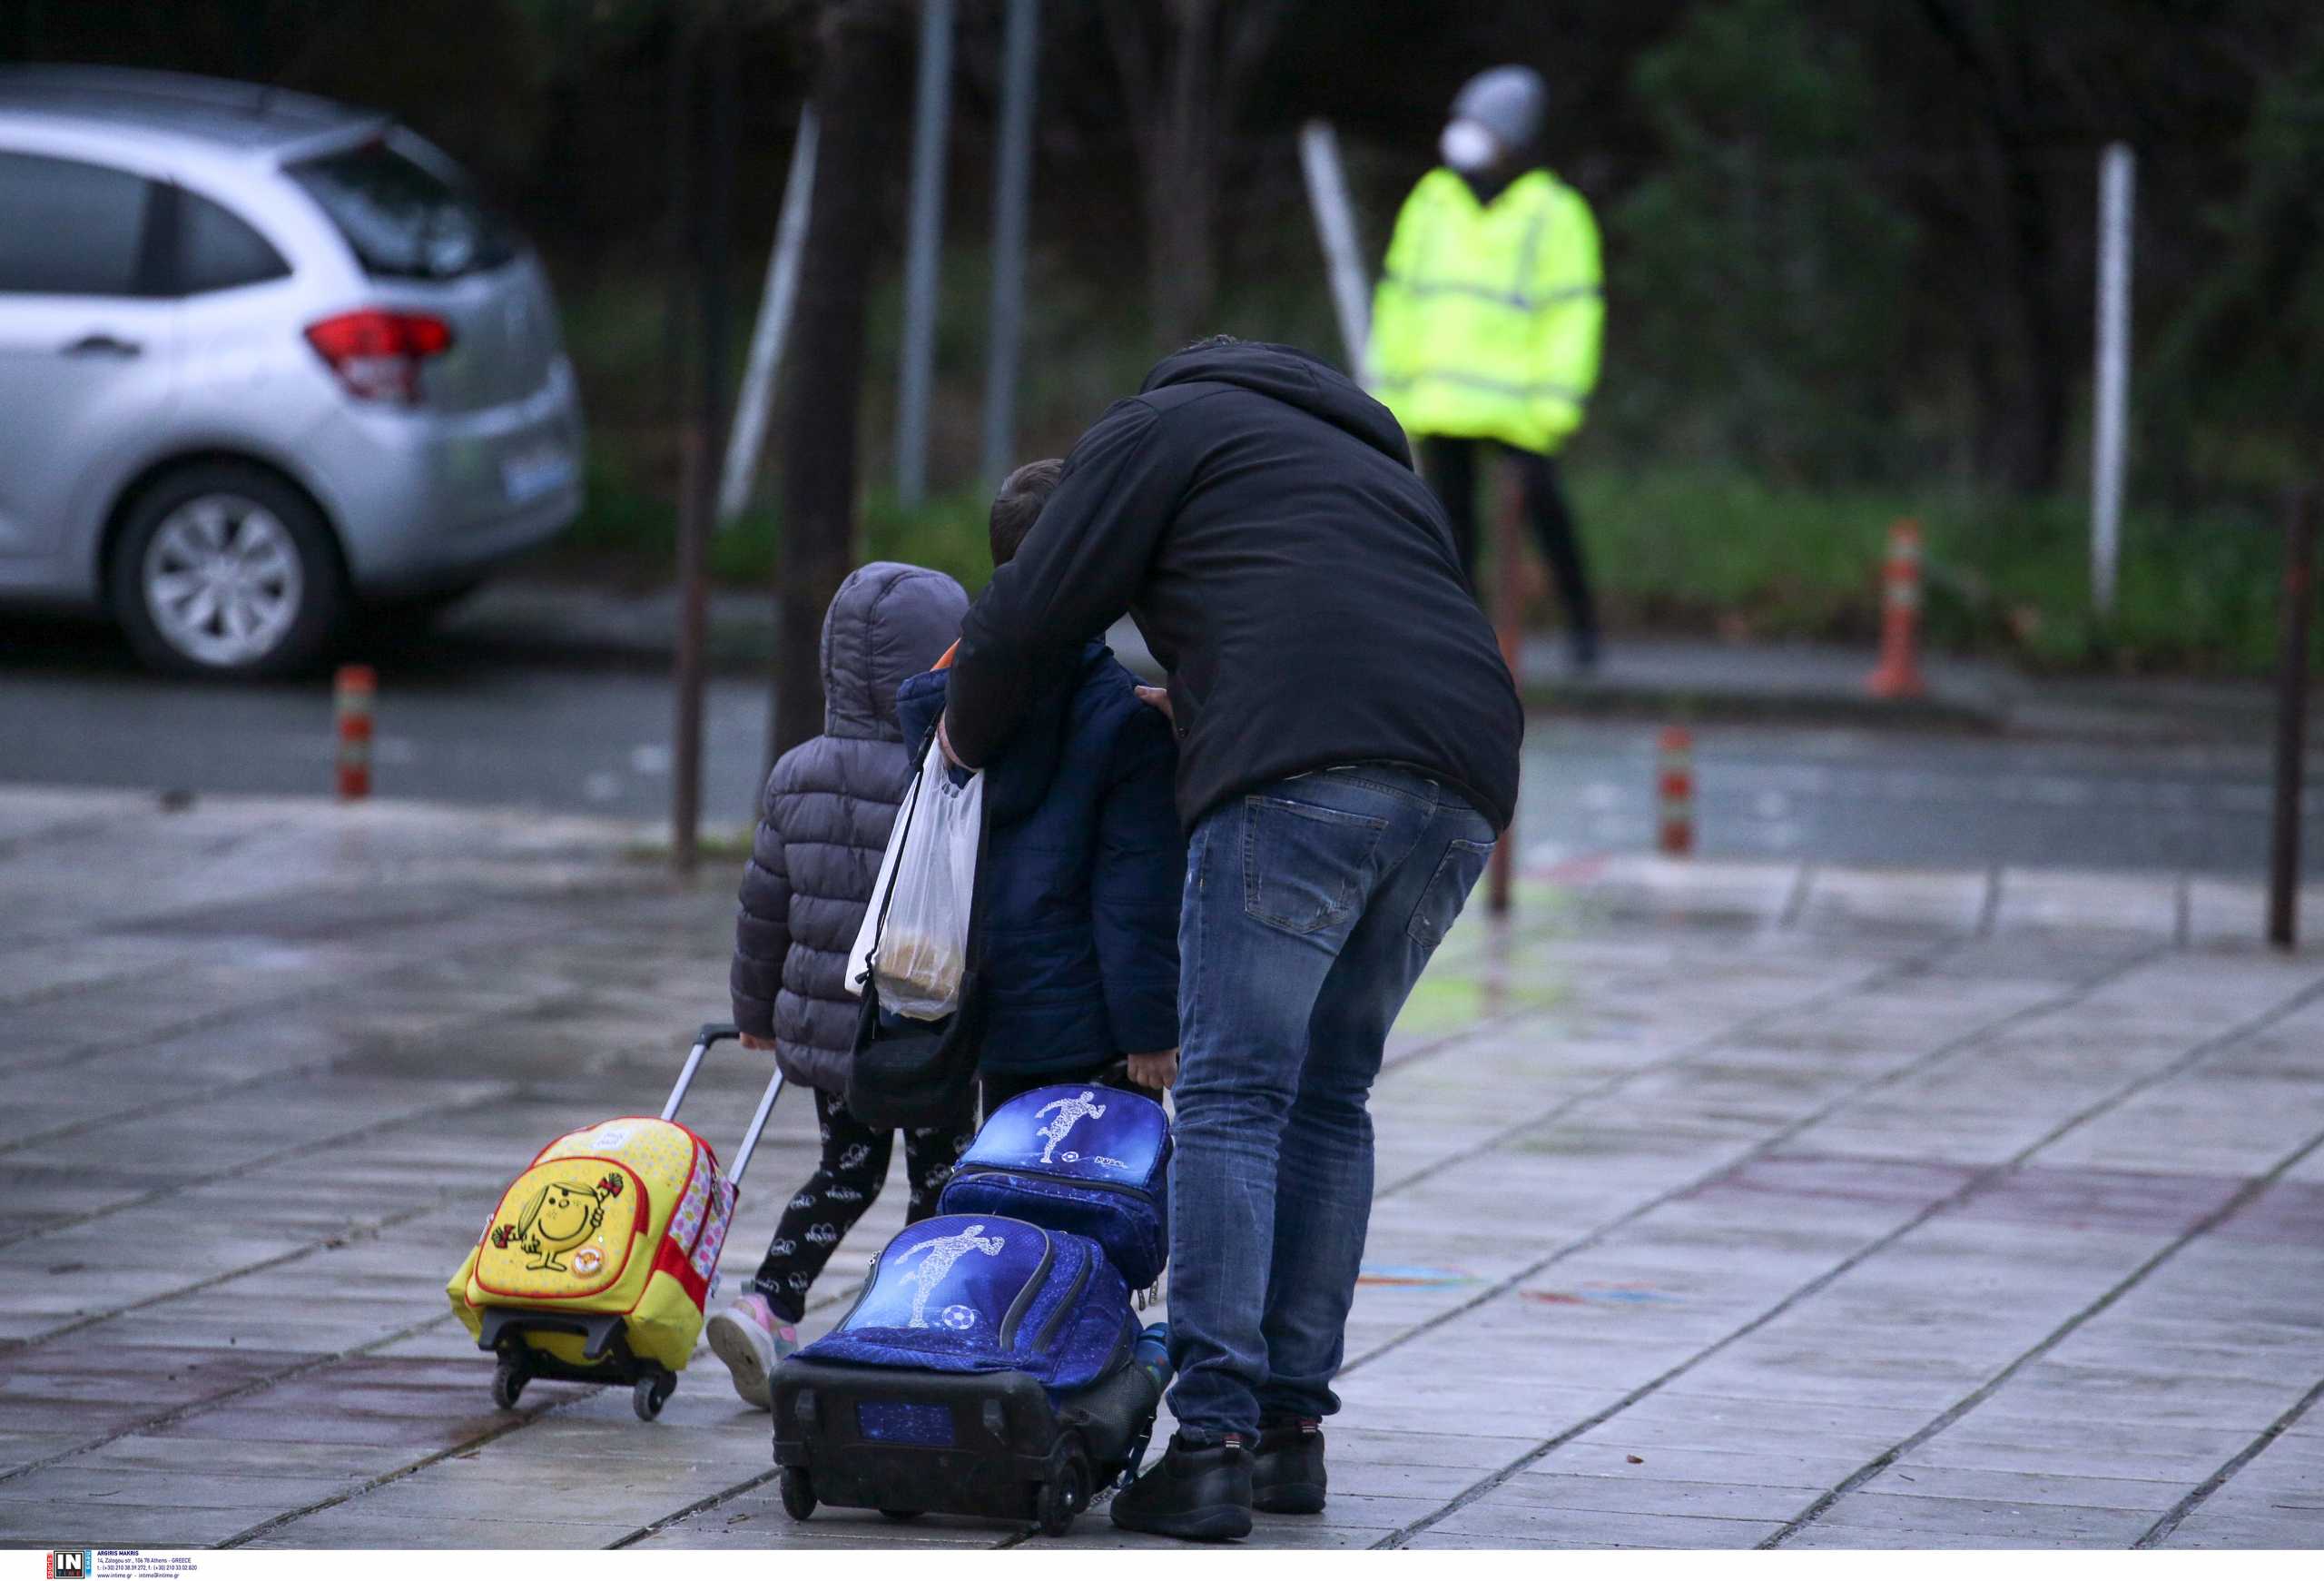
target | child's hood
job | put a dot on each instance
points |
(888, 622)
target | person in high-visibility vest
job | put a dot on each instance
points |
(1487, 323)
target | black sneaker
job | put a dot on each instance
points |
(1287, 1471)
(1200, 1492)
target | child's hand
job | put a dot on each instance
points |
(944, 745)
(1158, 699)
(1158, 1070)
(753, 1041)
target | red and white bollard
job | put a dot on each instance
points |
(1675, 792)
(351, 696)
(1899, 675)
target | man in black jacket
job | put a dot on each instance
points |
(1348, 739)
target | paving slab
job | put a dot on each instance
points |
(1719, 1204)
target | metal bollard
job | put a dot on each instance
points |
(351, 698)
(1899, 675)
(2291, 720)
(1509, 623)
(1675, 792)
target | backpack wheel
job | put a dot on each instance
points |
(651, 1394)
(508, 1380)
(1066, 1494)
(797, 1493)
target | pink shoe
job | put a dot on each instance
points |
(749, 1339)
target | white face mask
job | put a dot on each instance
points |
(1467, 146)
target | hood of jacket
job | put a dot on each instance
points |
(1019, 780)
(1289, 375)
(888, 623)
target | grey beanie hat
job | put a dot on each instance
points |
(1510, 102)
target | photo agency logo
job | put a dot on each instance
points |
(72, 1563)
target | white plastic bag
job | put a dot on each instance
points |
(915, 935)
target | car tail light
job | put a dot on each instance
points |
(378, 354)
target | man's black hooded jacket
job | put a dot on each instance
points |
(1258, 516)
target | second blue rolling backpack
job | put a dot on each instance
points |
(992, 1365)
(1091, 1161)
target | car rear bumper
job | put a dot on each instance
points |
(423, 499)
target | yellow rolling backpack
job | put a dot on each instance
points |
(599, 1261)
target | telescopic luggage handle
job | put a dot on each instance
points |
(718, 1032)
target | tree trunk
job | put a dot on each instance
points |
(2022, 367)
(861, 82)
(1182, 91)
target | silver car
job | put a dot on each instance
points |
(264, 362)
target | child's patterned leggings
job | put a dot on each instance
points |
(853, 1167)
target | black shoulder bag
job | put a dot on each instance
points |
(915, 1073)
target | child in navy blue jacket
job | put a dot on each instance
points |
(1084, 866)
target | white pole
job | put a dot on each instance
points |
(740, 474)
(1319, 156)
(933, 112)
(2117, 174)
(1011, 181)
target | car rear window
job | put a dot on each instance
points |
(402, 218)
(218, 250)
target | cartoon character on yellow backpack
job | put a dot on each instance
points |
(560, 1217)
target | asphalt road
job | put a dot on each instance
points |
(468, 725)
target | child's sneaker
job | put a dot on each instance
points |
(749, 1339)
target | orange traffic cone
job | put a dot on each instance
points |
(1899, 675)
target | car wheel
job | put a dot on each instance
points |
(225, 569)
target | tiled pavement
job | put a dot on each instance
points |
(1720, 1206)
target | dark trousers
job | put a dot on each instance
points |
(854, 1167)
(1451, 468)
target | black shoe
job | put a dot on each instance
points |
(1287, 1471)
(1201, 1492)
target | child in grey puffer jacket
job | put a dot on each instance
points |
(822, 827)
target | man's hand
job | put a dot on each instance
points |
(1157, 1071)
(753, 1041)
(1158, 699)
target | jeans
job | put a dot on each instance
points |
(1310, 908)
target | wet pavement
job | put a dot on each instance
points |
(557, 698)
(596, 741)
(1721, 1204)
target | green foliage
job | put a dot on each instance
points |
(1755, 273)
(2232, 388)
(946, 534)
(1731, 554)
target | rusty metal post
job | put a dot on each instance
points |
(1509, 625)
(704, 434)
(2292, 718)
(686, 748)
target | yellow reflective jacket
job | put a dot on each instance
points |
(1489, 315)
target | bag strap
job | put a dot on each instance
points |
(981, 890)
(902, 825)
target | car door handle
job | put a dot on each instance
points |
(100, 344)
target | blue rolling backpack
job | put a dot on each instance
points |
(992, 1364)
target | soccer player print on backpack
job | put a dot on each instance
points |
(942, 1254)
(1070, 1112)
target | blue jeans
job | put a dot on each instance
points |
(1310, 908)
